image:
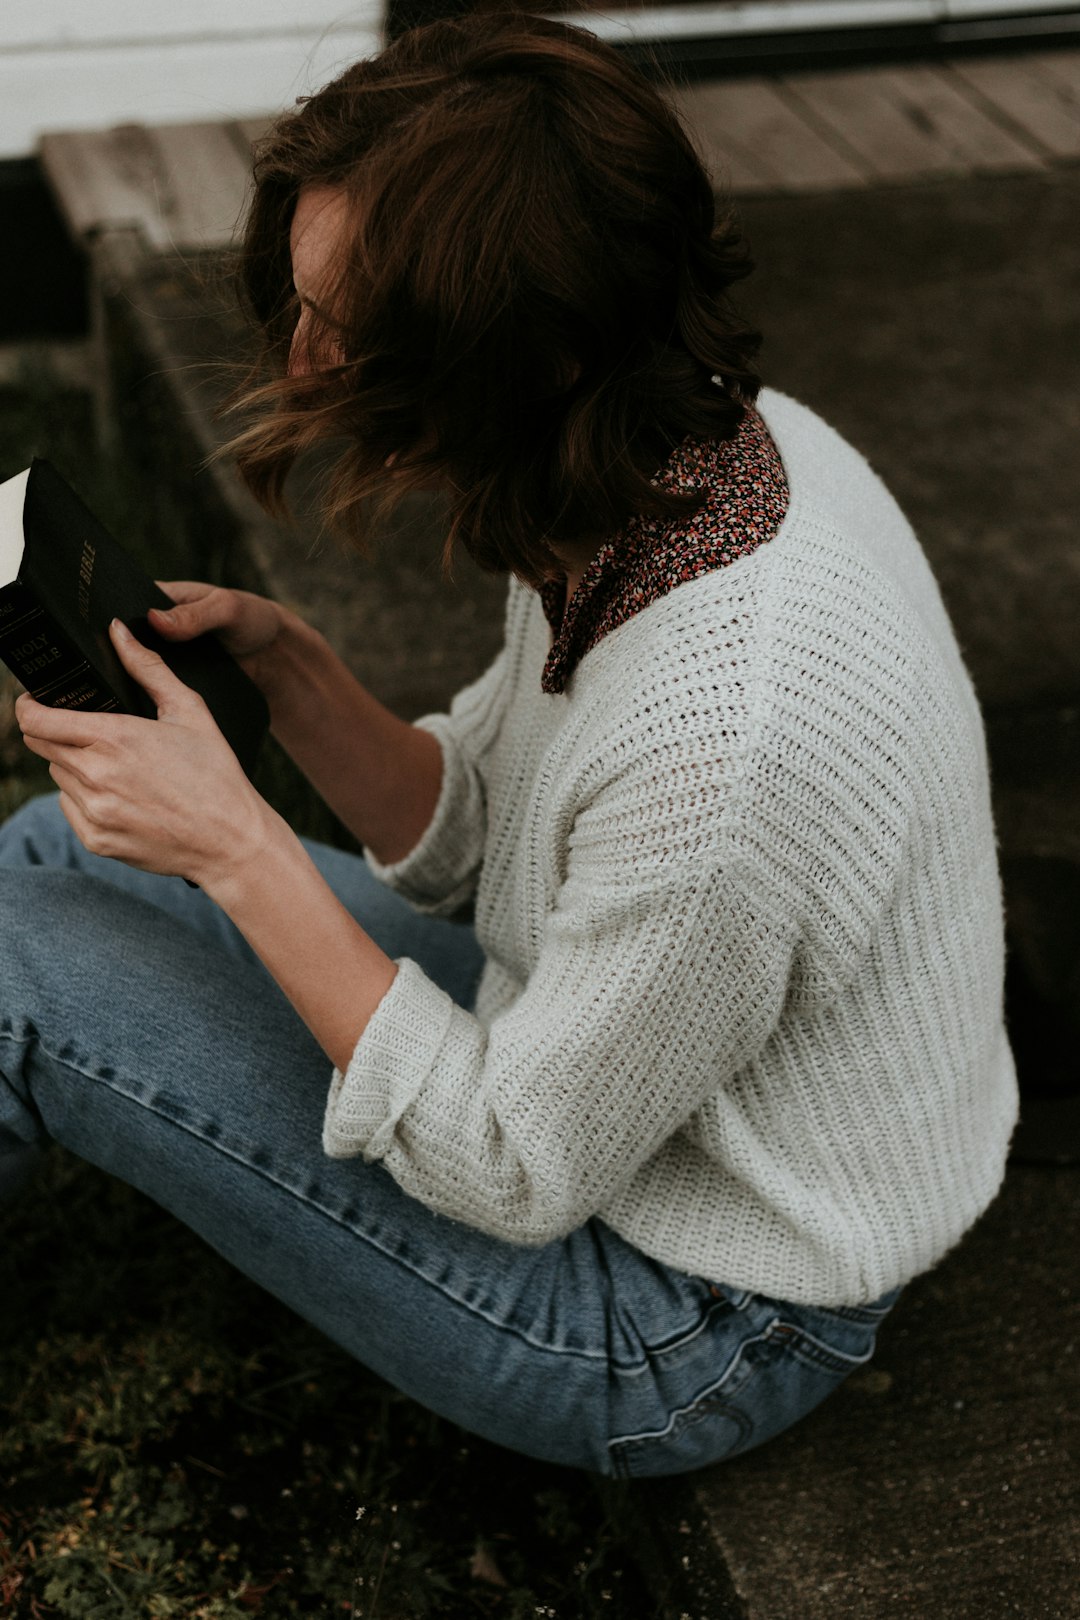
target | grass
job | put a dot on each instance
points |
(173, 1442)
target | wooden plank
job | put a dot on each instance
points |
(755, 140)
(250, 130)
(204, 183)
(730, 168)
(1063, 66)
(182, 185)
(910, 121)
(93, 180)
(1038, 93)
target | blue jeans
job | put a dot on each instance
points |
(138, 1029)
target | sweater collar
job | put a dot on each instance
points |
(746, 497)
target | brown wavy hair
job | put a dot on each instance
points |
(532, 293)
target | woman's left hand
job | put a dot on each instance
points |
(165, 795)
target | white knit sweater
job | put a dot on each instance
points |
(738, 893)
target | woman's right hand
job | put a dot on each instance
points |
(246, 625)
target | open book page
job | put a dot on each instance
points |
(12, 501)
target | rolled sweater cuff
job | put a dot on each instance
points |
(438, 873)
(391, 1063)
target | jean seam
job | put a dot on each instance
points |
(598, 1357)
(814, 1351)
(654, 1354)
(687, 1417)
(713, 1394)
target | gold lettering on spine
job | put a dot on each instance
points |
(86, 574)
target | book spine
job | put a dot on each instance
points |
(47, 663)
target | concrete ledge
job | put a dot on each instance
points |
(940, 1481)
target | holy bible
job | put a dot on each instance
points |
(63, 579)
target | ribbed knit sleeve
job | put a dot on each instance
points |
(439, 873)
(528, 1128)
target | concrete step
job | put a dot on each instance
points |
(940, 1483)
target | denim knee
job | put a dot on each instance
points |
(37, 834)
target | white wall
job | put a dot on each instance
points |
(85, 64)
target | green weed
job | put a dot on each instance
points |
(175, 1443)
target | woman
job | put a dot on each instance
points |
(626, 1173)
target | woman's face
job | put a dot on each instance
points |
(318, 229)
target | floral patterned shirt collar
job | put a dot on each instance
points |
(747, 499)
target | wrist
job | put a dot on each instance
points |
(274, 668)
(330, 969)
(256, 835)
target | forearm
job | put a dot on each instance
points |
(330, 969)
(379, 775)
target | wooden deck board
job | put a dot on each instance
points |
(731, 168)
(751, 135)
(909, 122)
(85, 179)
(1039, 93)
(252, 129)
(208, 181)
(1059, 67)
(184, 185)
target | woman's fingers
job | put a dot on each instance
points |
(213, 609)
(182, 623)
(188, 618)
(184, 590)
(167, 692)
(79, 727)
(59, 755)
(246, 623)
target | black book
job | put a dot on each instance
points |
(63, 579)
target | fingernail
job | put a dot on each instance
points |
(119, 628)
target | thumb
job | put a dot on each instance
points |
(151, 671)
(180, 623)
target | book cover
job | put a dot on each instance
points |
(63, 578)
